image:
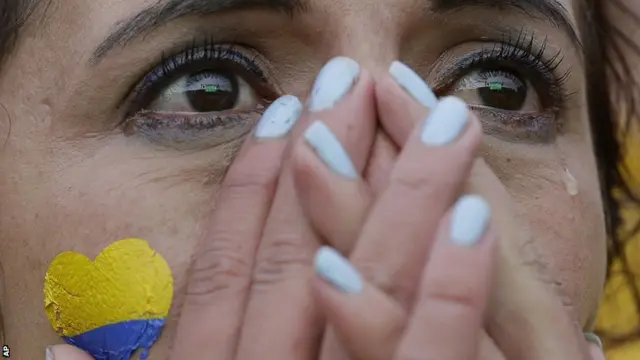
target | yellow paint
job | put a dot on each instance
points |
(127, 281)
(618, 315)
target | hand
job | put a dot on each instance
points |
(394, 268)
(403, 218)
(259, 231)
(249, 294)
(521, 284)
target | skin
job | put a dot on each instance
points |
(68, 168)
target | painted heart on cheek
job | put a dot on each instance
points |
(113, 306)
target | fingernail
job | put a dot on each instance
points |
(48, 354)
(412, 83)
(333, 82)
(279, 118)
(338, 271)
(448, 119)
(596, 348)
(594, 339)
(471, 215)
(328, 148)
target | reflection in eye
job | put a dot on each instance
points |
(497, 89)
(202, 97)
(206, 91)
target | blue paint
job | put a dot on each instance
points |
(119, 341)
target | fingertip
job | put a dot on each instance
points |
(475, 130)
(355, 121)
(470, 220)
(331, 266)
(399, 112)
(328, 298)
(65, 352)
(596, 348)
(596, 352)
(366, 82)
(348, 301)
(413, 84)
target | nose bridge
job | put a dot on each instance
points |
(367, 34)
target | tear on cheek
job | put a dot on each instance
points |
(111, 307)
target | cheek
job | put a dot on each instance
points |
(568, 228)
(83, 203)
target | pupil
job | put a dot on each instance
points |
(212, 91)
(501, 96)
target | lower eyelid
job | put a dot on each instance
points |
(513, 126)
(191, 131)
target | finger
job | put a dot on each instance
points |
(381, 161)
(596, 348)
(219, 280)
(402, 99)
(338, 211)
(327, 164)
(447, 320)
(367, 323)
(281, 295)
(65, 352)
(488, 348)
(425, 182)
(596, 351)
(526, 317)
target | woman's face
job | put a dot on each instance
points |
(84, 166)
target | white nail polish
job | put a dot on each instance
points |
(333, 82)
(338, 271)
(471, 215)
(48, 354)
(447, 121)
(413, 84)
(594, 339)
(329, 150)
(279, 118)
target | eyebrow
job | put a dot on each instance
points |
(164, 11)
(551, 11)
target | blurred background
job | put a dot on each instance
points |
(619, 316)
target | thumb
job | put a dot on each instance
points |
(66, 352)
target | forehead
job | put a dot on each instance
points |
(109, 16)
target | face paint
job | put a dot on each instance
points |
(113, 306)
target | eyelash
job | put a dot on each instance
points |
(172, 129)
(521, 56)
(192, 58)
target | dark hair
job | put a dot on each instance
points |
(13, 16)
(613, 96)
(610, 88)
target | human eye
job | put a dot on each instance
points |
(204, 96)
(517, 90)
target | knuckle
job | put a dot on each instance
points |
(251, 179)
(462, 296)
(218, 268)
(388, 280)
(427, 184)
(282, 259)
(254, 171)
(305, 171)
